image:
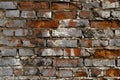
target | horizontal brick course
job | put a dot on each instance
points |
(59, 40)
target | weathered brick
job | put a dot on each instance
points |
(118, 62)
(64, 32)
(18, 71)
(9, 61)
(100, 53)
(15, 23)
(50, 52)
(91, 4)
(104, 24)
(116, 14)
(106, 4)
(8, 5)
(62, 43)
(113, 72)
(30, 71)
(8, 32)
(8, 51)
(74, 23)
(38, 42)
(86, 14)
(2, 14)
(65, 62)
(45, 62)
(99, 62)
(104, 14)
(41, 33)
(88, 33)
(95, 43)
(114, 42)
(6, 71)
(12, 13)
(21, 32)
(85, 43)
(95, 72)
(72, 52)
(86, 53)
(3, 22)
(27, 43)
(64, 73)
(43, 23)
(104, 43)
(28, 14)
(64, 15)
(49, 72)
(117, 33)
(44, 14)
(26, 52)
(103, 33)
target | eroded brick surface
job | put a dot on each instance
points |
(59, 39)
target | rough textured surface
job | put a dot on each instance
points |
(59, 39)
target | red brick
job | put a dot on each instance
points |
(65, 62)
(72, 52)
(60, 6)
(86, 14)
(26, 5)
(95, 72)
(63, 6)
(65, 15)
(86, 43)
(101, 53)
(113, 72)
(41, 5)
(105, 24)
(33, 5)
(72, 23)
(42, 23)
(80, 74)
(112, 1)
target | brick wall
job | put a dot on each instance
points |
(59, 39)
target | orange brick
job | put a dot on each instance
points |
(113, 72)
(106, 53)
(33, 5)
(72, 52)
(26, 5)
(65, 15)
(105, 24)
(80, 74)
(42, 23)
